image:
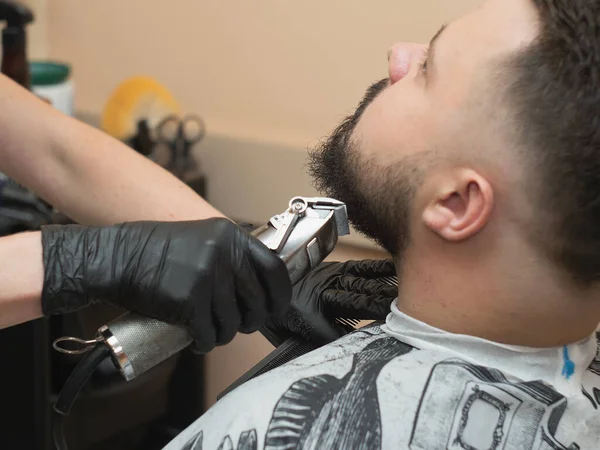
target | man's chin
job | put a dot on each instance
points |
(339, 170)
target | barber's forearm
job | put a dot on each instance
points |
(103, 181)
(21, 278)
(88, 175)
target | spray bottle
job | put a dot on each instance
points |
(14, 41)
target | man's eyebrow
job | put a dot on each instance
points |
(432, 43)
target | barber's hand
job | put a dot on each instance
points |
(209, 275)
(351, 290)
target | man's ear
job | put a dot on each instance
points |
(461, 207)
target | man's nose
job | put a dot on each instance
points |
(402, 57)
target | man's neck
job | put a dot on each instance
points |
(478, 300)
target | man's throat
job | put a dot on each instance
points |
(496, 319)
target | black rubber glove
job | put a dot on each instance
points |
(350, 290)
(209, 275)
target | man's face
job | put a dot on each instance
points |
(439, 110)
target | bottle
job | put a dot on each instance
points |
(51, 81)
(14, 41)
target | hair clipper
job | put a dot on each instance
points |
(302, 237)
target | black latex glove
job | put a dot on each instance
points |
(209, 275)
(351, 290)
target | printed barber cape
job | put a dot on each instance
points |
(405, 385)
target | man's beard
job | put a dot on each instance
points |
(378, 198)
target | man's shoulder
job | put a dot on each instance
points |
(388, 394)
(299, 395)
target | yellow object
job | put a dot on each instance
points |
(135, 99)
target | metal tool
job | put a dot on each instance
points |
(302, 236)
(180, 135)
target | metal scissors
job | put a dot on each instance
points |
(180, 134)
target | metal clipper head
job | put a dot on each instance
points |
(306, 233)
(340, 213)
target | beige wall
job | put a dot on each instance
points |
(283, 71)
(270, 77)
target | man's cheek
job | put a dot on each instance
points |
(374, 128)
(389, 131)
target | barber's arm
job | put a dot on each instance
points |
(208, 275)
(21, 278)
(90, 176)
(96, 179)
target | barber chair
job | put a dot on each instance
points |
(144, 413)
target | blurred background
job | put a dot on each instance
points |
(267, 78)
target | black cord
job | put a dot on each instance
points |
(58, 432)
(72, 387)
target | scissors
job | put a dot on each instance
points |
(180, 135)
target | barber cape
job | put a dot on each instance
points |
(406, 385)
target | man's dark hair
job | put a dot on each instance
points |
(556, 92)
(377, 210)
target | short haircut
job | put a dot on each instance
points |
(555, 92)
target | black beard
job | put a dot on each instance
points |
(377, 198)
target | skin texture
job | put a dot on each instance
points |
(21, 278)
(429, 168)
(86, 174)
